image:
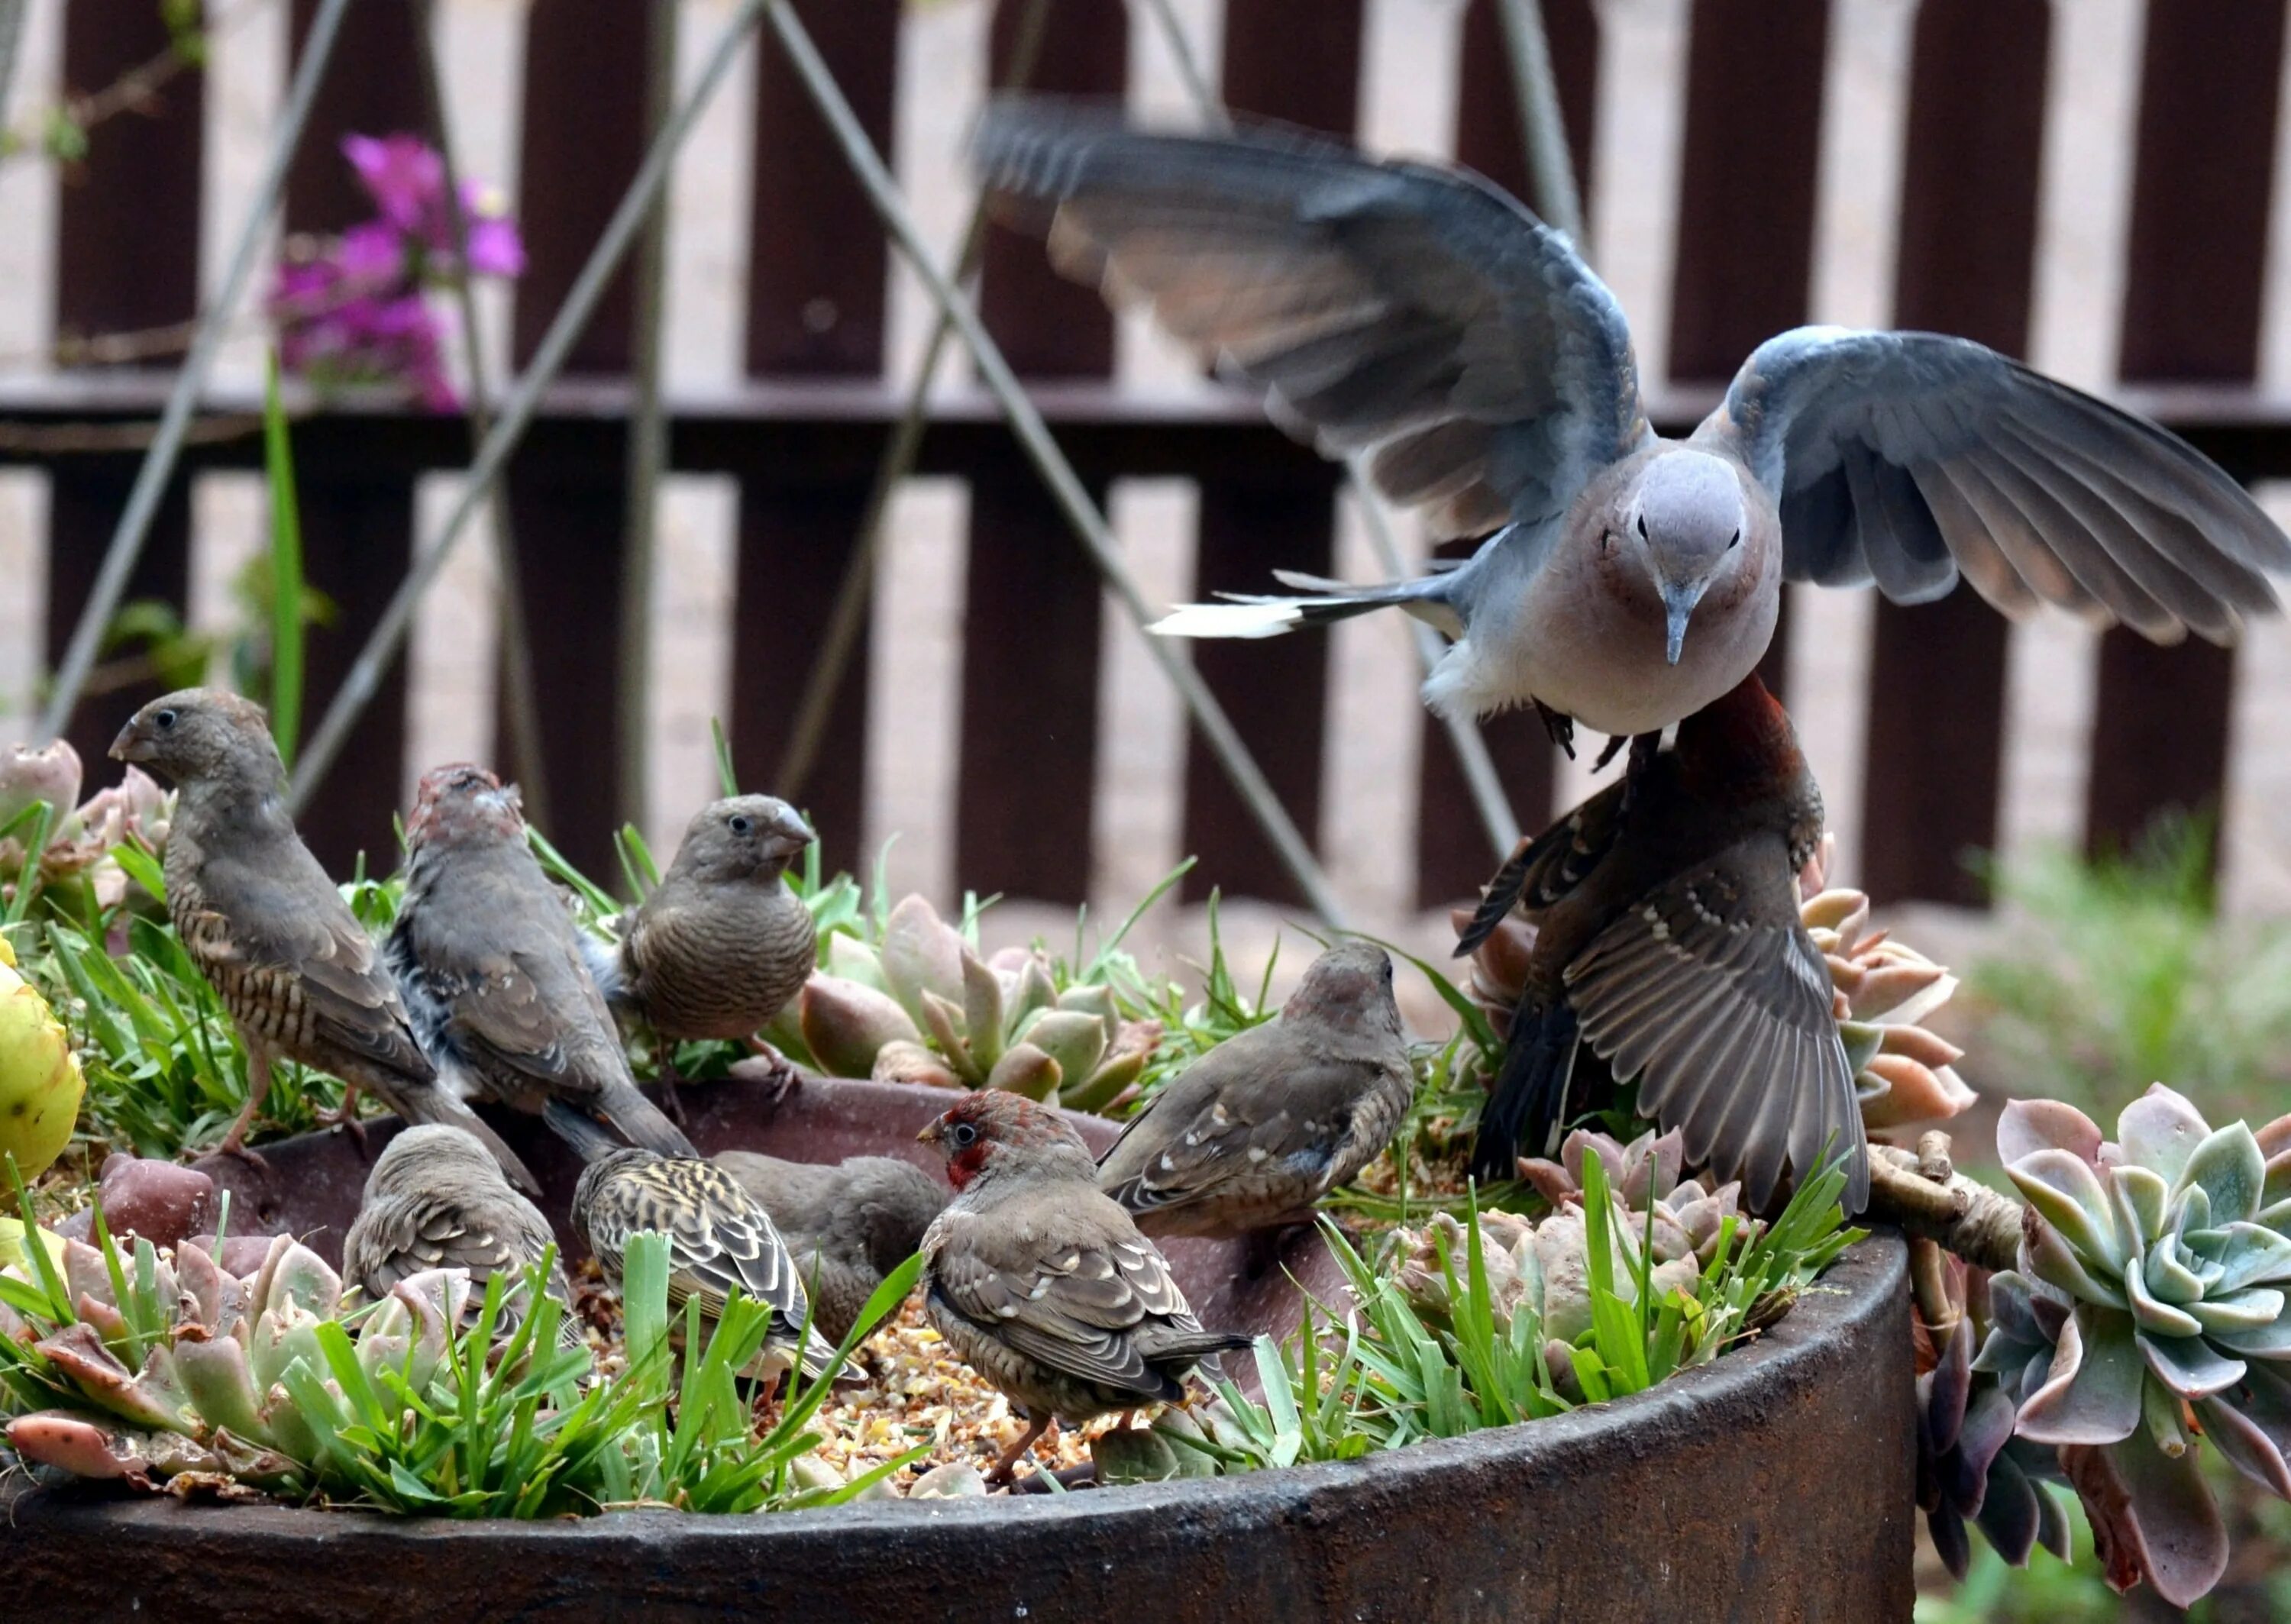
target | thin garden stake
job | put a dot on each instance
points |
(151, 479)
(852, 595)
(519, 701)
(1065, 486)
(365, 674)
(1487, 790)
(1550, 167)
(11, 34)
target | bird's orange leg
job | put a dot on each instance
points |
(1006, 1466)
(258, 1086)
(345, 1116)
(785, 1078)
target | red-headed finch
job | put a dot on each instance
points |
(437, 1199)
(490, 960)
(1041, 1284)
(301, 977)
(1667, 938)
(1257, 1130)
(845, 1225)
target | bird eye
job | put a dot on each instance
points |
(164, 720)
(1734, 541)
(1642, 535)
(742, 824)
(964, 1135)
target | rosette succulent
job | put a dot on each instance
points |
(922, 1006)
(76, 839)
(2147, 1312)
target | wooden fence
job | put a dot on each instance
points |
(802, 437)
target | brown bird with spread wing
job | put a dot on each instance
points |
(298, 973)
(1667, 938)
(1253, 1133)
(1043, 1285)
(491, 963)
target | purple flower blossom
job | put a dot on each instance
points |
(354, 311)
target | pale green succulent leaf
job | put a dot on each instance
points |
(2160, 1131)
(2245, 1310)
(2189, 1365)
(2155, 1315)
(2227, 1168)
(2091, 1394)
(2252, 1452)
(2167, 1276)
(2068, 1194)
(2246, 1254)
(981, 1010)
(2140, 1196)
(2052, 1260)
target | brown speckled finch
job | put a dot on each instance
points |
(721, 944)
(718, 1240)
(847, 1224)
(1254, 1132)
(437, 1199)
(257, 915)
(490, 960)
(1669, 939)
(1042, 1284)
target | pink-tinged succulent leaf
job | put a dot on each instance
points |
(2160, 1129)
(203, 1292)
(1836, 911)
(2253, 1452)
(2050, 1259)
(2165, 1518)
(1029, 987)
(1988, 1428)
(852, 960)
(1946, 1388)
(2027, 1126)
(75, 1444)
(1075, 1041)
(2188, 1366)
(1023, 1069)
(2092, 1393)
(85, 1272)
(1912, 1093)
(51, 773)
(1915, 1044)
(2068, 1194)
(1549, 1180)
(2154, 1316)
(298, 1276)
(108, 1321)
(944, 1021)
(2227, 1167)
(2012, 1512)
(901, 1061)
(981, 1010)
(2274, 1138)
(846, 1023)
(216, 1376)
(921, 953)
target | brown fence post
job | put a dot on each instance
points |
(815, 301)
(1965, 266)
(2201, 187)
(357, 521)
(1031, 621)
(582, 140)
(127, 257)
(1451, 853)
(1746, 193)
(1302, 69)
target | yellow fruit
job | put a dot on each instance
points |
(40, 1083)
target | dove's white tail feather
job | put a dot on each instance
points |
(1227, 620)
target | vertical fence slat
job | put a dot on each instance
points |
(1275, 690)
(357, 526)
(815, 303)
(1451, 851)
(2195, 278)
(1746, 194)
(1966, 264)
(1031, 621)
(127, 257)
(583, 138)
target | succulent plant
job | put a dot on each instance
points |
(2147, 1311)
(80, 839)
(1883, 992)
(923, 1006)
(1970, 1465)
(40, 1083)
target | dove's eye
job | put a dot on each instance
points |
(742, 824)
(964, 1135)
(1642, 535)
(164, 720)
(1734, 540)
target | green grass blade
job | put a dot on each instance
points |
(286, 570)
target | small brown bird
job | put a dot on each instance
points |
(1669, 939)
(847, 1225)
(437, 1199)
(721, 944)
(719, 1239)
(1254, 1132)
(1042, 1284)
(491, 964)
(257, 915)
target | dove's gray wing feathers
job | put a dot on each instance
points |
(1904, 458)
(1415, 310)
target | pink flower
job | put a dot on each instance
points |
(404, 174)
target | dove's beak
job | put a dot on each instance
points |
(1678, 601)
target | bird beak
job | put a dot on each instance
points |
(929, 1135)
(130, 745)
(789, 833)
(1677, 607)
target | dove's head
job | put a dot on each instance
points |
(744, 836)
(462, 804)
(1685, 516)
(201, 736)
